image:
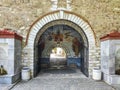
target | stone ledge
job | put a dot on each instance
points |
(113, 35)
(6, 33)
(9, 79)
(111, 79)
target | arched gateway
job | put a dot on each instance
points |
(55, 24)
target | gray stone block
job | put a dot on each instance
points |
(111, 79)
(9, 79)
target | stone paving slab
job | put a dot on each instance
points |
(117, 87)
(62, 81)
(62, 84)
(6, 86)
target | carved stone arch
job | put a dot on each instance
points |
(58, 15)
(36, 29)
(64, 22)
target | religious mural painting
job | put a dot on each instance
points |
(76, 46)
(60, 36)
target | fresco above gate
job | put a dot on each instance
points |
(61, 35)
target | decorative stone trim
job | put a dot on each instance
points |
(112, 35)
(57, 15)
(9, 34)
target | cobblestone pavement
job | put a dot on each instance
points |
(68, 79)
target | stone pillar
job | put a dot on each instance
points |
(110, 43)
(10, 55)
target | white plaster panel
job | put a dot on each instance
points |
(108, 49)
(114, 56)
(11, 54)
(105, 56)
(3, 51)
(10, 67)
(10, 41)
(2, 40)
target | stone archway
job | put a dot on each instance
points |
(59, 15)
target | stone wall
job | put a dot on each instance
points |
(102, 15)
(17, 56)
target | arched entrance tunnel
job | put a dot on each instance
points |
(60, 20)
(61, 44)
